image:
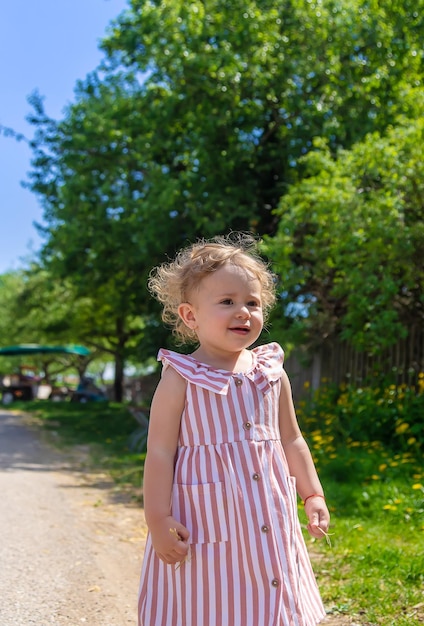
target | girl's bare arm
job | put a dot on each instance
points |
(169, 536)
(301, 464)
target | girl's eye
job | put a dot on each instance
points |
(227, 301)
(253, 303)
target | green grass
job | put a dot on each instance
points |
(373, 571)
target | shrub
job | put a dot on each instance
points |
(390, 414)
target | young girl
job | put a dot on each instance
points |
(225, 456)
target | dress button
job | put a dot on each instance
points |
(247, 425)
(275, 582)
(238, 382)
(265, 528)
(256, 476)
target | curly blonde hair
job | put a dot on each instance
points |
(172, 283)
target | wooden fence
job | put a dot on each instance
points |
(337, 362)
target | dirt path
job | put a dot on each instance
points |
(72, 545)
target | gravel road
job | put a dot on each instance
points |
(71, 546)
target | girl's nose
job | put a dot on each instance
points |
(243, 312)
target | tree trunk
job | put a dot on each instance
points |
(118, 384)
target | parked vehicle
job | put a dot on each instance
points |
(25, 385)
(18, 386)
(87, 391)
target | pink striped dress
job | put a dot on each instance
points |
(248, 564)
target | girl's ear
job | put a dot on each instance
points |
(186, 312)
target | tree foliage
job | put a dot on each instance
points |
(100, 234)
(350, 244)
(209, 117)
(237, 91)
(10, 286)
(38, 310)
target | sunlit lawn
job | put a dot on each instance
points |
(374, 569)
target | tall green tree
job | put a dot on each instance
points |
(350, 242)
(104, 224)
(196, 124)
(236, 92)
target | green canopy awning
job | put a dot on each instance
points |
(35, 348)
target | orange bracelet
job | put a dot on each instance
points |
(313, 495)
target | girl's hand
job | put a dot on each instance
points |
(170, 540)
(318, 517)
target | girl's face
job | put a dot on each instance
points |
(226, 310)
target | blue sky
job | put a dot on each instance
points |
(46, 45)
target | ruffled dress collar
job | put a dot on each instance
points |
(266, 369)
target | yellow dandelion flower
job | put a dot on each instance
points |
(390, 507)
(402, 428)
(382, 467)
(417, 486)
